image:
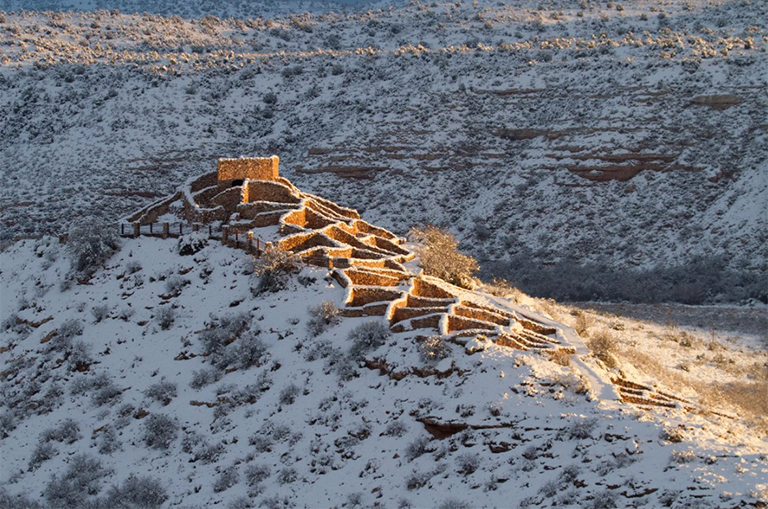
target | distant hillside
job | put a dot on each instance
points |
(579, 150)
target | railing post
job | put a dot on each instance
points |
(237, 238)
(181, 229)
(195, 227)
(122, 229)
(210, 231)
(136, 230)
(166, 230)
(150, 229)
(249, 246)
(224, 234)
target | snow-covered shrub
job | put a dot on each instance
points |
(570, 473)
(289, 393)
(274, 268)
(7, 422)
(105, 391)
(250, 350)
(205, 376)
(133, 266)
(355, 499)
(175, 284)
(241, 503)
(17, 501)
(100, 312)
(396, 429)
(42, 452)
(68, 431)
(604, 500)
(70, 328)
(366, 337)
(255, 474)
(162, 391)
(603, 344)
(440, 257)
(108, 441)
(417, 448)
(125, 314)
(219, 334)
(209, 453)
(137, 492)
(260, 442)
(582, 428)
(681, 457)
(417, 480)
(79, 358)
(90, 245)
(160, 431)
(228, 478)
(321, 317)
(467, 463)
(434, 349)
(192, 243)
(81, 479)
(454, 503)
(287, 475)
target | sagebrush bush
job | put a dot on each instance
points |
(137, 492)
(321, 317)
(467, 463)
(70, 328)
(439, 256)
(100, 312)
(289, 394)
(582, 428)
(366, 337)
(454, 503)
(255, 474)
(603, 344)
(434, 349)
(42, 452)
(108, 441)
(274, 268)
(73, 487)
(162, 391)
(90, 245)
(165, 317)
(218, 335)
(228, 478)
(417, 448)
(287, 475)
(175, 284)
(67, 431)
(160, 431)
(205, 376)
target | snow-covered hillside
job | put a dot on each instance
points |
(165, 380)
(619, 143)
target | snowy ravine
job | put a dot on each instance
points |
(623, 143)
(111, 378)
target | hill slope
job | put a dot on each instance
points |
(164, 380)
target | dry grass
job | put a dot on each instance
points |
(603, 345)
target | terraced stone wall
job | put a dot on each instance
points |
(255, 168)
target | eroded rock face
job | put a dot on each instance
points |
(717, 102)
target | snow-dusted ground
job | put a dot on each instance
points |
(499, 120)
(304, 427)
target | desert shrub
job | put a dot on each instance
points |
(440, 257)
(205, 376)
(366, 337)
(434, 349)
(79, 358)
(106, 392)
(221, 332)
(70, 328)
(603, 345)
(288, 394)
(125, 314)
(417, 480)
(321, 317)
(7, 422)
(81, 479)
(165, 317)
(250, 350)
(162, 391)
(137, 492)
(570, 473)
(260, 442)
(68, 431)
(582, 428)
(133, 266)
(255, 474)
(241, 503)
(228, 478)
(100, 312)
(582, 322)
(108, 441)
(160, 431)
(396, 429)
(417, 448)
(90, 245)
(287, 475)
(274, 269)
(503, 288)
(467, 463)
(175, 284)
(17, 501)
(42, 452)
(681, 457)
(454, 503)
(604, 500)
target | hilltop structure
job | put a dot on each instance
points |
(250, 206)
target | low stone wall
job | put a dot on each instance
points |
(362, 295)
(423, 288)
(260, 190)
(258, 168)
(401, 314)
(426, 302)
(207, 180)
(149, 214)
(480, 314)
(457, 323)
(366, 278)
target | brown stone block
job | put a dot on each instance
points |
(255, 168)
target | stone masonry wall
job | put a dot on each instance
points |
(255, 168)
